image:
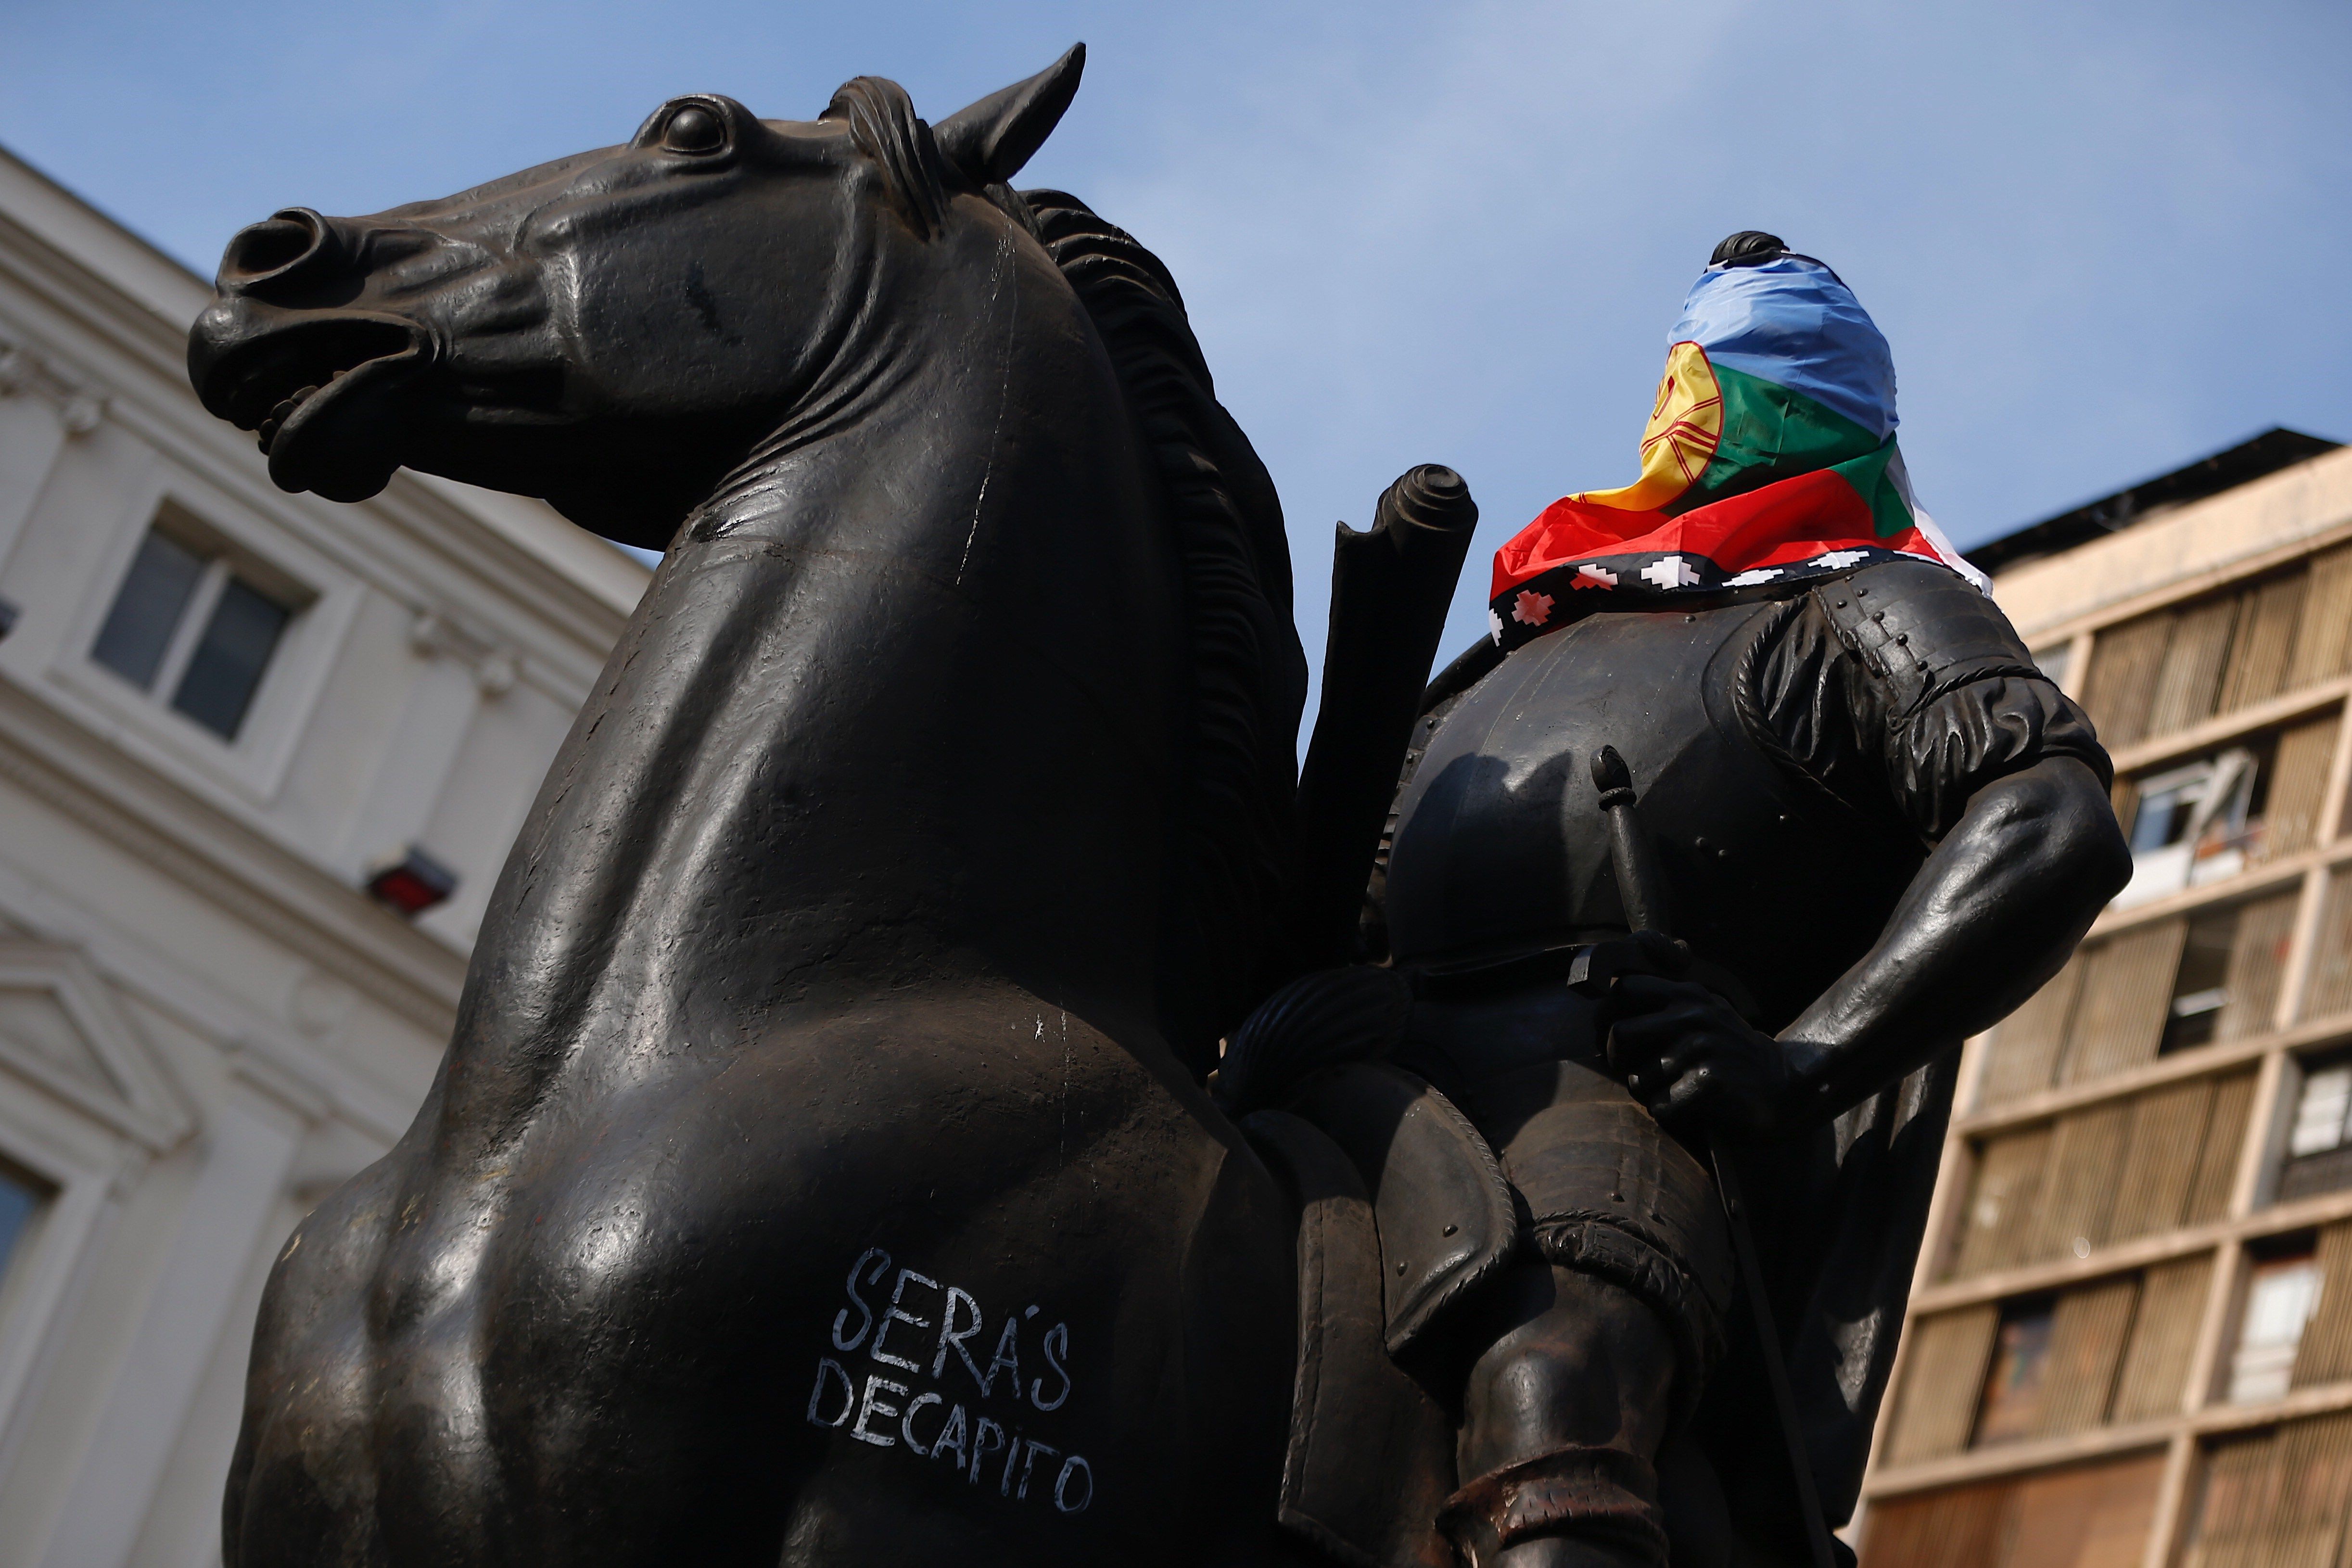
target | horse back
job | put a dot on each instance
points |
(958, 1273)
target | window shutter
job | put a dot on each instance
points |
(2163, 1337)
(2298, 790)
(2257, 964)
(2217, 1162)
(2325, 1354)
(2191, 676)
(2001, 1202)
(2079, 1192)
(2331, 968)
(2315, 1489)
(2124, 663)
(2152, 1189)
(2085, 1516)
(2240, 1495)
(2277, 1500)
(1958, 1527)
(2265, 642)
(2087, 1344)
(2124, 799)
(2323, 637)
(2025, 1046)
(2126, 994)
(1945, 1374)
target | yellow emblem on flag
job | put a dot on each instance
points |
(1686, 425)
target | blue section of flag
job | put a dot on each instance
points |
(1791, 321)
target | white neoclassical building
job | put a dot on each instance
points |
(260, 758)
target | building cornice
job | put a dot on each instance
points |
(2278, 517)
(491, 566)
(225, 862)
(83, 267)
(127, 264)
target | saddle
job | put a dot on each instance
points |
(1403, 1211)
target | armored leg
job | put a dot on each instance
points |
(1599, 1342)
(1561, 1422)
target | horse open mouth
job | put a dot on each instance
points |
(319, 391)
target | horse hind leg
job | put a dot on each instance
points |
(302, 1487)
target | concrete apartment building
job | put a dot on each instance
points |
(225, 714)
(2130, 1344)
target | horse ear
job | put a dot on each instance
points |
(991, 139)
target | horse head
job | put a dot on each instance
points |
(849, 338)
(615, 331)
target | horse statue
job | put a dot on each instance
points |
(821, 1168)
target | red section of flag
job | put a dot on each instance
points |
(1792, 521)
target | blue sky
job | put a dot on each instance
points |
(2103, 239)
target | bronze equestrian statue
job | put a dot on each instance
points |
(833, 1161)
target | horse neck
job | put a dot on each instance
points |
(947, 609)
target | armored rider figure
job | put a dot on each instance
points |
(1879, 827)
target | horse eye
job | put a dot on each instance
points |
(693, 129)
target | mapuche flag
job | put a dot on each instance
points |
(1768, 457)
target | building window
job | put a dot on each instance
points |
(2246, 806)
(22, 1197)
(2319, 1143)
(2104, 1174)
(2107, 1353)
(2331, 963)
(2055, 661)
(2089, 1516)
(2193, 825)
(2210, 977)
(2281, 1297)
(2162, 673)
(194, 628)
(2019, 1377)
(2200, 987)
(2274, 1496)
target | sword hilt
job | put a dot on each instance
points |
(1639, 886)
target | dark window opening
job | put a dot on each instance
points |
(187, 620)
(227, 666)
(2200, 987)
(22, 1198)
(147, 610)
(2019, 1380)
(2319, 1140)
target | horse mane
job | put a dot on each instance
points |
(883, 126)
(1227, 917)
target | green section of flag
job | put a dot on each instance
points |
(1769, 434)
(1867, 474)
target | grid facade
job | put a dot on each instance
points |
(2130, 1341)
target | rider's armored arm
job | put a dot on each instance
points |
(2002, 774)
(1992, 914)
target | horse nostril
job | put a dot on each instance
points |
(281, 244)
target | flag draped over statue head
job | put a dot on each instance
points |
(1768, 457)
